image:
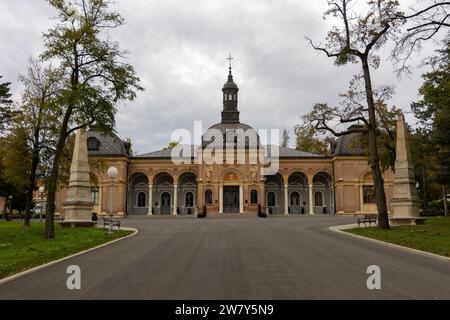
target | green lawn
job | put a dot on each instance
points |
(24, 248)
(433, 236)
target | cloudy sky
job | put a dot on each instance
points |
(179, 51)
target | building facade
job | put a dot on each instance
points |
(184, 180)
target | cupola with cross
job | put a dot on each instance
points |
(230, 113)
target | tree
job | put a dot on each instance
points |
(285, 138)
(421, 25)
(355, 39)
(38, 114)
(172, 145)
(15, 165)
(95, 76)
(309, 140)
(6, 112)
(433, 111)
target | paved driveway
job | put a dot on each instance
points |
(239, 258)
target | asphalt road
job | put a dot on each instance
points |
(239, 258)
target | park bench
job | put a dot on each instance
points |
(107, 221)
(367, 219)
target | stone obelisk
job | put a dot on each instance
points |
(405, 203)
(78, 206)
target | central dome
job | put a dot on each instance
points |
(230, 132)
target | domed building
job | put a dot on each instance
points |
(230, 172)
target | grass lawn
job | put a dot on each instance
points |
(433, 236)
(24, 248)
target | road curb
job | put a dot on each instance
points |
(48, 264)
(341, 229)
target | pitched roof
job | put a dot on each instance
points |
(282, 153)
(109, 145)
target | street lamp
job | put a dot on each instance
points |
(112, 173)
(41, 194)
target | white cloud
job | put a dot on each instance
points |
(178, 48)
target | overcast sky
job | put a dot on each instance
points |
(179, 51)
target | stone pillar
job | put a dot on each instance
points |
(361, 197)
(241, 198)
(311, 199)
(221, 198)
(78, 206)
(175, 199)
(286, 199)
(405, 203)
(150, 199)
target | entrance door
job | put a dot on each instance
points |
(165, 203)
(231, 199)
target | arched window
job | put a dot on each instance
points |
(254, 197)
(94, 193)
(141, 200)
(208, 197)
(295, 198)
(189, 199)
(93, 144)
(230, 97)
(318, 199)
(271, 199)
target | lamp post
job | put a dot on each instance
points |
(112, 173)
(41, 194)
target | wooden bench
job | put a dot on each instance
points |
(367, 219)
(107, 221)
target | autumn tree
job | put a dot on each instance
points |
(355, 39)
(40, 118)
(425, 21)
(433, 111)
(309, 140)
(95, 75)
(6, 112)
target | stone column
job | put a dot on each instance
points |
(78, 206)
(241, 198)
(221, 198)
(311, 199)
(150, 199)
(286, 199)
(361, 197)
(405, 203)
(175, 199)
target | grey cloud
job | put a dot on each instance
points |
(178, 48)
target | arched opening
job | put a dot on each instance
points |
(318, 199)
(254, 197)
(208, 197)
(162, 194)
(189, 200)
(274, 192)
(188, 193)
(165, 207)
(298, 189)
(323, 193)
(142, 200)
(271, 199)
(137, 194)
(294, 199)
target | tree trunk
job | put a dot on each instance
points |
(32, 179)
(53, 183)
(34, 166)
(383, 218)
(424, 191)
(444, 191)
